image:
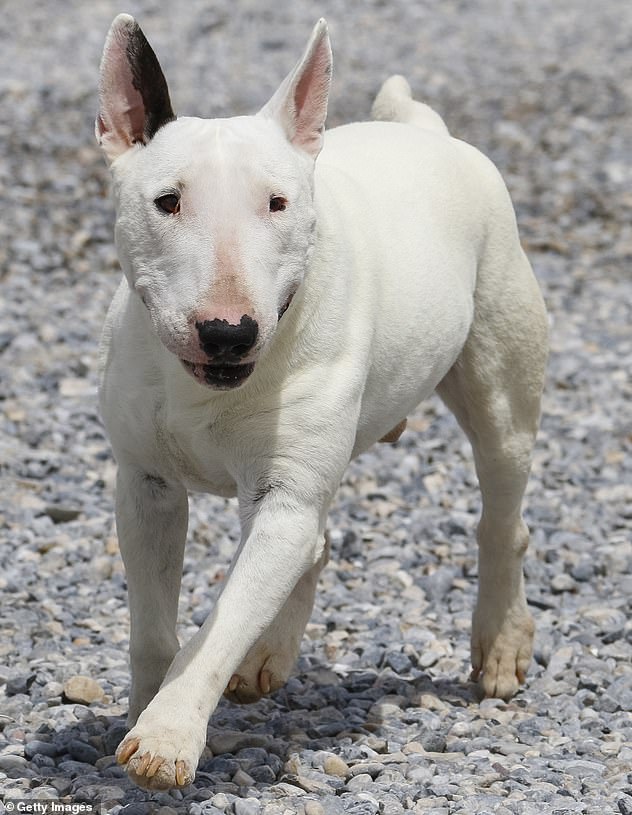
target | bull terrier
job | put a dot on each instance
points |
(289, 297)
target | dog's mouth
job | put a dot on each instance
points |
(219, 377)
(226, 376)
(285, 306)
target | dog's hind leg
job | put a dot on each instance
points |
(494, 391)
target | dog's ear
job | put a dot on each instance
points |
(300, 103)
(133, 95)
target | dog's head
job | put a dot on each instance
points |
(215, 218)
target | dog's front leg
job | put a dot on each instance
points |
(282, 540)
(151, 519)
(268, 663)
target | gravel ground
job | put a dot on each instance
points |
(379, 716)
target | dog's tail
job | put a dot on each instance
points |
(395, 103)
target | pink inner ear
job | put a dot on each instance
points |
(121, 118)
(310, 100)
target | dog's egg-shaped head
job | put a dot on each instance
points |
(215, 218)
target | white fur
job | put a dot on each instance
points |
(403, 251)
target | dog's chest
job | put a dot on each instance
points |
(189, 454)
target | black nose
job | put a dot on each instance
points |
(225, 342)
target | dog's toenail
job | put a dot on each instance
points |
(182, 776)
(127, 751)
(155, 765)
(265, 681)
(234, 682)
(145, 761)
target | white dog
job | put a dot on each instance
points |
(278, 316)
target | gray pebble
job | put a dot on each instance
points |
(359, 781)
(11, 762)
(398, 661)
(44, 748)
(113, 737)
(80, 751)
(19, 684)
(62, 785)
(250, 757)
(263, 774)
(247, 806)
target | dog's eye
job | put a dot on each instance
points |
(169, 203)
(277, 203)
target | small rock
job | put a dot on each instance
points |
(334, 765)
(114, 737)
(247, 806)
(563, 583)
(99, 792)
(45, 792)
(285, 790)
(606, 618)
(52, 690)
(105, 762)
(359, 782)
(560, 660)
(263, 774)
(251, 757)
(19, 684)
(231, 742)
(11, 762)
(43, 748)
(83, 689)
(60, 514)
(583, 571)
(242, 779)
(429, 657)
(398, 661)
(61, 784)
(625, 805)
(313, 784)
(621, 691)
(74, 387)
(365, 803)
(80, 751)
(200, 615)
(429, 701)
(371, 768)
(434, 743)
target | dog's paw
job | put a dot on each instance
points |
(159, 762)
(501, 653)
(259, 675)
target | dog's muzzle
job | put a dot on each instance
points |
(226, 345)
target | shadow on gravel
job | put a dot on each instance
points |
(360, 715)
